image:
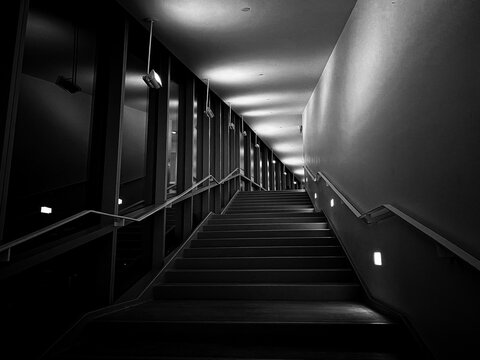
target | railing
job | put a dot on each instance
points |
(5, 250)
(386, 210)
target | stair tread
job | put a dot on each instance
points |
(252, 311)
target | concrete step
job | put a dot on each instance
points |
(206, 291)
(279, 262)
(263, 233)
(278, 241)
(260, 251)
(260, 276)
(267, 226)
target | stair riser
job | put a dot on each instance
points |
(322, 337)
(263, 242)
(258, 292)
(293, 220)
(269, 210)
(259, 276)
(263, 233)
(276, 215)
(269, 202)
(262, 263)
(259, 252)
(278, 226)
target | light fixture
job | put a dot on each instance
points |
(208, 110)
(332, 202)
(294, 183)
(246, 9)
(377, 258)
(257, 146)
(45, 210)
(315, 196)
(284, 173)
(70, 84)
(274, 162)
(152, 79)
(174, 132)
(120, 201)
(231, 125)
(244, 133)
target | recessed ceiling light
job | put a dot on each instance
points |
(245, 9)
(174, 132)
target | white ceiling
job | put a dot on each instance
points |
(288, 41)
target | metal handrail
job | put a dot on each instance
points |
(8, 246)
(254, 183)
(380, 212)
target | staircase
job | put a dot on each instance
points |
(265, 280)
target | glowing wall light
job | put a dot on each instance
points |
(45, 210)
(332, 202)
(120, 201)
(377, 258)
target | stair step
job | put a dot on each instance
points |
(269, 210)
(270, 202)
(260, 276)
(318, 292)
(274, 241)
(259, 251)
(267, 214)
(263, 233)
(267, 226)
(262, 220)
(284, 262)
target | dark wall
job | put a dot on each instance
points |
(394, 119)
(395, 115)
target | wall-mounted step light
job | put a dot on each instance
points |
(208, 110)
(377, 258)
(284, 173)
(152, 79)
(294, 183)
(257, 146)
(332, 202)
(45, 210)
(315, 196)
(274, 162)
(120, 201)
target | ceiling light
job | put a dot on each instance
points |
(273, 161)
(174, 132)
(284, 173)
(208, 110)
(152, 79)
(294, 183)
